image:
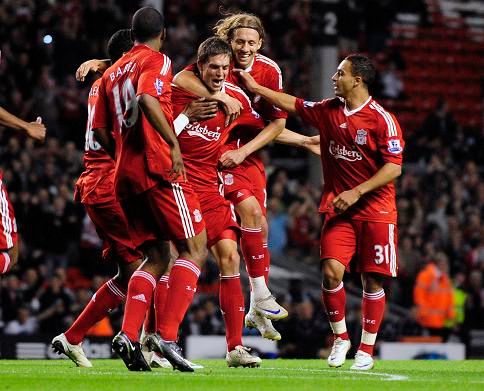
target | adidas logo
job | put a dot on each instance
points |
(140, 297)
(344, 125)
(239, 194)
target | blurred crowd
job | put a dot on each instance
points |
(440, 194)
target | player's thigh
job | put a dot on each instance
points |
(176, 211)
(220, 221)
(338, 241)
(112, 227)
(377, 244)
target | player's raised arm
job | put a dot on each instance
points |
(189, 81)
(282, 100)
(35, 130)
(94, 66)
(151, 109)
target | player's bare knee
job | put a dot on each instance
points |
(251, 216)
(332, 274)
(230, 264)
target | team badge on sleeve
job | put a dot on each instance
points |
(360, 138)
(309, 104)
(394, 146)
(158, 86)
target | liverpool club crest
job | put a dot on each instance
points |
(360, 138)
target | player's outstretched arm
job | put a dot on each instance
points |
(385, 175)
(190, 82)
(94, 66)
(35, 130)
(282, 100)
(151, 109)
(311, 143)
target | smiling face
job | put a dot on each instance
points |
(214, 72)
(343, 79)
(245, 43)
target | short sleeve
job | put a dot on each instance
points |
(390, 138)
(101, 113)
(156, 76)
(311, 112)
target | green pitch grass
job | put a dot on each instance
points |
(281, 375)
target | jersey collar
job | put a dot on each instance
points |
(351, 112)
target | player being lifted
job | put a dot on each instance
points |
(200, 143)
(361, 155)
(160, 205)
(243, 174)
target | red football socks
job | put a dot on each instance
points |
(182, 285)
(140, 292)
(334, 301)
(108, 297)
(253, 251)
(233, 309)
(161, 293)
(372, 310)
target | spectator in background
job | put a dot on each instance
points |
(433, 297)
(24, 324)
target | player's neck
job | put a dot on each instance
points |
(356, 99)
(153, 44)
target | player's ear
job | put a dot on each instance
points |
(358, 80)
(259, 44)
(163, 35)
(199, 67)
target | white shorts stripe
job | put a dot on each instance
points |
(145, 275)
(7, 262)
(393, 254)
(188, 265)
(6, 220)
(183, 210)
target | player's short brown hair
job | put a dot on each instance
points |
(212, 47)
(226, 27)
(362, 66)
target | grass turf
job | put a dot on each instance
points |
(279, 374)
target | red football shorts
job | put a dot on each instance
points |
(220, 219)
(8, 225)
(374, 244)
(168, 211)
(113, 228)
(241, 183)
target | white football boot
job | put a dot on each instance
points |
(340, 348)
(363, 361)
(241, 357)
(255, 321)
(269, 308)
(74, 352)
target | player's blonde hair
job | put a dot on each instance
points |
(226, 27)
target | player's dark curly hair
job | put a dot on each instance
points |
(212, 47)
(119, 43)
(147, 23)
(362, 66)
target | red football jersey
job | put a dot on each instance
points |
(95, 185)
(354, 146)
(201, 142)
(142, 156)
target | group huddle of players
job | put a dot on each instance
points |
(172, 171)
